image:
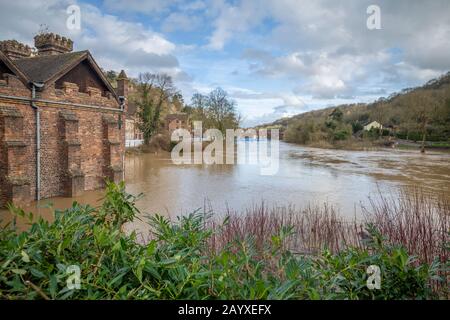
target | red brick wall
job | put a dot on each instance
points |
(15, 163)
(176, 124)
(55, 160)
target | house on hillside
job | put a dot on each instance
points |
(61, 121)
(133, 135)
(373, 125)
(177, 121)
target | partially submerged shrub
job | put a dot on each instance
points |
(401, 276)
(159, 142)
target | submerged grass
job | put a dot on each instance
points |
(412, 218)
(263, 254)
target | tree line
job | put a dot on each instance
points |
(155, 96)
(418, 114)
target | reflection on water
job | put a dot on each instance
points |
(306, 175)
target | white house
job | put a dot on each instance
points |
(373, 125)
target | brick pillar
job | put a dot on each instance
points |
(71, 154)
(112, 155)
(122, 90)
(122, 84)
(14, 158)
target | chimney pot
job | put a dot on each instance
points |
(122, 86)
(14, 49)
(51, 44)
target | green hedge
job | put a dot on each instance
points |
(178, 262)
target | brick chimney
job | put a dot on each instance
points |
(122, 84)
(14, 49)
(52, 44)
(122, 88)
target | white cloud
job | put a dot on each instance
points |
(147, 6)
(193, 6)
(321, 75)
(177, 21)
(303, 29)
(404, 70)
(108, 31)
(233, 20)
(115, 43)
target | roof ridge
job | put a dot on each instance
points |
(52, 56)
(49, 68)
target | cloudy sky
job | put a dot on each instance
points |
(274, 57)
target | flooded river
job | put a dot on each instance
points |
(344, 179)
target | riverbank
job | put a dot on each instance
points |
(378, 145)
(199, 257)
(159, 143)
(349, 145)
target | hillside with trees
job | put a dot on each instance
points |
(420, 114)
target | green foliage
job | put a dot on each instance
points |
(302, 133)
(111, 75)
(179, 262)
(118, 205)
(373, 133)
(154, 92)
(331, 129)
(357, 126)
(342, 134)
(337, 115)
(402, 277)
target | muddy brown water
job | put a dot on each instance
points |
(344, 179)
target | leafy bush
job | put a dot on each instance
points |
(179, 262)
(341, 135)
(402, 277)
(357, 126)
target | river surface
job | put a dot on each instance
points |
(344, 179)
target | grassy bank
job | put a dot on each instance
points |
(350, 144)
(261, 254)
(355, 144)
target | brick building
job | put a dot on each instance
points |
(177, 121)
(61, 121)
(132, 131)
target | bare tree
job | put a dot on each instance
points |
(423, 109)
(154, 90)
(222, 110)
(215, 110)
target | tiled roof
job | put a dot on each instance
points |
(10, 65)
(43, 68)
